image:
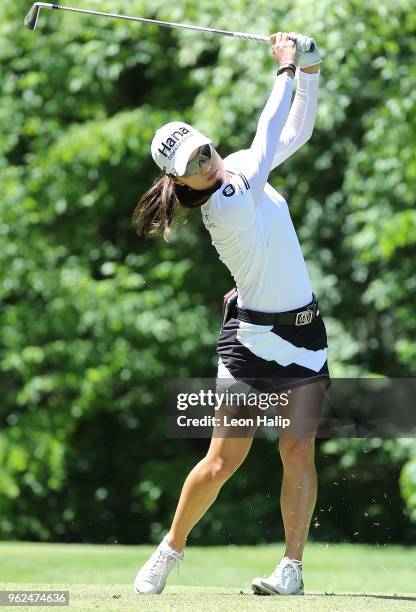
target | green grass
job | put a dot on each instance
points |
(337, 577)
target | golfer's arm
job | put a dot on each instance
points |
(301, 120)
(312, 69)
(270, 125)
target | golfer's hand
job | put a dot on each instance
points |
(283, 49)
(305, 57)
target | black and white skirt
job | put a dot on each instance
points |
(270, 358)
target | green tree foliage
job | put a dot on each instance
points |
(94, 321)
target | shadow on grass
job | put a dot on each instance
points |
(394, 597)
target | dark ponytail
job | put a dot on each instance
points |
(156, 208)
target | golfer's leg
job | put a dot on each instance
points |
(298, 492)
(203, 484)
(300, 483)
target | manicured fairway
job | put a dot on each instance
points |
(337, 577)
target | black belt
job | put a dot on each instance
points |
(304, 317)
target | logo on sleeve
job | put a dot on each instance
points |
(228, 190)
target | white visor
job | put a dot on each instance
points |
(173, 144)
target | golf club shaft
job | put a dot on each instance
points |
(31, 20)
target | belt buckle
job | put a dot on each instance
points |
(304, 317)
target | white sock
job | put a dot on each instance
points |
(299, 563)
(169, 549)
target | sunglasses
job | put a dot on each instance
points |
(203, 155)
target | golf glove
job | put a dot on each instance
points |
(306, 58)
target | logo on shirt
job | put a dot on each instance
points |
(228, 190)
(207, 222)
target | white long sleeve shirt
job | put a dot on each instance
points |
(249, 221)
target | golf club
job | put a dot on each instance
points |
(31, 21)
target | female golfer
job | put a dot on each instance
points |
(274, 332)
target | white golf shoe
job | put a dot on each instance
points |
(285, 580)
(151, 578)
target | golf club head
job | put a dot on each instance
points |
(31, 18)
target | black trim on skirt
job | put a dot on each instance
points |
(269, 375)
